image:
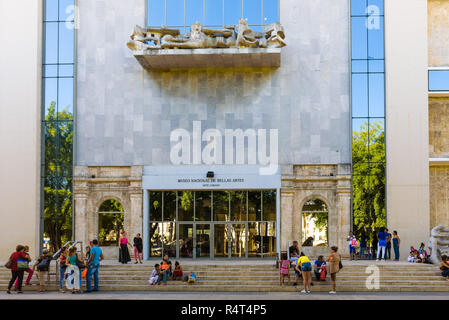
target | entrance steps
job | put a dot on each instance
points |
(260, 276)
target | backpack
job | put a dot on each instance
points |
(44, 264)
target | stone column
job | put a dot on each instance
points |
(287, 217)
(135, 225)
(81, 222)
(343, 214)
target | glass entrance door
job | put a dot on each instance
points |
(202, 240)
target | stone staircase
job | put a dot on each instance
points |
(246, 276)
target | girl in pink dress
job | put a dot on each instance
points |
(284, 269)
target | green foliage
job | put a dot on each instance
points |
(368, 154)
(57, 157)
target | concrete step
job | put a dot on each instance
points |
(252, 288)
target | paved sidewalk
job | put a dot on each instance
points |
(226, 296)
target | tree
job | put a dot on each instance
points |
(368, 154)
(57, 176)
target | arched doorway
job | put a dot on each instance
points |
(315, 223)
(110, 222)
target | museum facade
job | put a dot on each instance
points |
(230, 128)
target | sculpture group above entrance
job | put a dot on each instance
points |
(239, 36)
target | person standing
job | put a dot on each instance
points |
(382, 243)
(30, 271)
(43, 267)
(388, 248)
(306, 267)
(363, 245)
(123, 255)
(352, 243)
(334, 260)
(17, 273)
(374, 245)
(294, 252)
(396, 244)
(73, 282)
(62, 268)
(138, 246)
(96, 255)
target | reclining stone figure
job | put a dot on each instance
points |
(240, 36)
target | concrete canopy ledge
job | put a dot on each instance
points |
(209, 58)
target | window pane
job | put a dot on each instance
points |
(65, 86)
(359, 140)
(237, 240)
(156, 240)
(51, 42)
(270, 11)
(194, 12)
(175, 13)
(156, 13)
(359, 66)
(376, 65)
(66, 70)
(221, 205)
(186, 240)
(358, 7)
(50, 71)
(269, 205)
(169, 205)
(376, 38)
(439, 80)
(203, 208)
(269, 239)
(51, 10)
(51, 97)
(360, 95)
(255, 239)
(377, 140)
(185, 205)
(232, 12)
(238, 205)
(214, 12)
(66, 10)
(376, 95)
(254, 206)
(169, 238)
(64, 156)
(252, 11)
(379, 4)
(66, 38)
(156, 206)
(359, 38)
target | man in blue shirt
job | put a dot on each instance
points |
(96, 255)
(382, 244)
(319, 267)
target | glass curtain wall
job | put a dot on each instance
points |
(181, 14)
(57, 121)
(210, 224)
(368, 116)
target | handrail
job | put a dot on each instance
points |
(59, 251)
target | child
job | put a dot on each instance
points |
(284, 269)
(177, 273)
(164, 272)
(154, 277)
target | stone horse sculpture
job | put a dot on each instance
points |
(240, 36)
(438, 243)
